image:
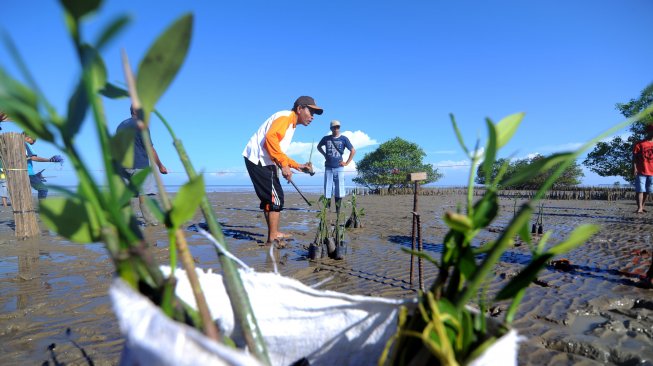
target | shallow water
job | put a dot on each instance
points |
(592, 311)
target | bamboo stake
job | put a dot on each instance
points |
(240, 304)
(12, 151)
(210, 329)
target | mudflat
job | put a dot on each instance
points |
(589, 309)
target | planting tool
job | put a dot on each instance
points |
(297, 188)
(300, 192)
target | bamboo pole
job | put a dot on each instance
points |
(12, 152)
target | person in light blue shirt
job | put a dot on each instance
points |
(332, 147)
(36, 180)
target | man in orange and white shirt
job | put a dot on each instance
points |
(265, 151)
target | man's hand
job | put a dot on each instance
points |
(307, 168)
(163, 169)
(286, 172)
(342, 163)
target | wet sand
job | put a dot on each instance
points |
(54, 305)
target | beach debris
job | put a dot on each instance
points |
(562, 264)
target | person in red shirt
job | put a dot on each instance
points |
(266, 152)
(643, 168)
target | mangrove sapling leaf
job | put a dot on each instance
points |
(485, 210)
(155, 208)
(78, 9)
(422, 255)
(459, 136)
(490, 150)
(187, 201)
(458, 222)
(577, 237)
(27, 75)
(92, 61)
(72, 218)
(514, 305)
(542, 243)
(162, 62)
(524, 234)
(113, 91)
(537, 167)
(22, 104)
(122, 147)
(523, 278)
(108, 33)
(77, 107)
(507, 127)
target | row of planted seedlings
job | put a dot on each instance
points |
(442, 329)
(330, 239)
(450, 326)
(92, 213)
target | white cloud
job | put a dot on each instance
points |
(360, 139)
(301, 151)
(445, 165)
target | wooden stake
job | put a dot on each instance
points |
(12, 153)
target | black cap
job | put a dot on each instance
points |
(308, 101)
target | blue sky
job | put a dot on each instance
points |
(384, 69)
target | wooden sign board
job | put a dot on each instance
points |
(414, 177)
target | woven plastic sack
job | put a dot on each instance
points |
(297, 321)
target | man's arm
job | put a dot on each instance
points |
(38, 158)
(352, 152)
(157, 161)
(320, 146)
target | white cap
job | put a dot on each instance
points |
(335, 122)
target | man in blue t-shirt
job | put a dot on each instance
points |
(141, 161)
(332, 147)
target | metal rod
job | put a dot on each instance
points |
(300, 192)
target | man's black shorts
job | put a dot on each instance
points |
(266, 184)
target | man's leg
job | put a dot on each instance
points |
(640, 182)
(339, 183)
(273, 218)
(148, 217)
(328, 185)
(36, 183)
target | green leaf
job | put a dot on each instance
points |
(537, 167)
(485, 210)
(112, 91)
(162, 62)
(77, 107)
(77, 9)
(111, 31)
(122, 147)
(542, 243)
(507, 127)
(93, 64)
(524, 278)
(20, 103)
(490, 150)
(467, 264)
(459, 136)
(72, 218)
(458, 222)
(576, 238)
(155, 209)
(423, 255)
(187, 201)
